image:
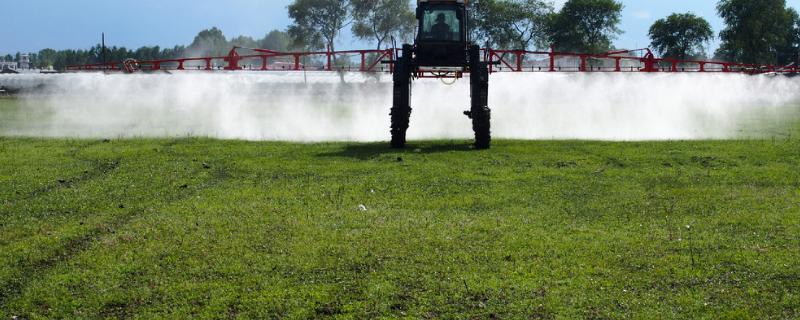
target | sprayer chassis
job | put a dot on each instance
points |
(407, 68)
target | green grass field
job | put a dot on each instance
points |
(179, 228)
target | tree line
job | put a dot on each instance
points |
(210, 42)
(756, 31)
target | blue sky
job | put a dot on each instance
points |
(38, 24)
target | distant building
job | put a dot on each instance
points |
(24, 61)
(11, 65)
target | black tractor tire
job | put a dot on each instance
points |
(481, 124)
(479, 90)
(401, 118)
(401, 108)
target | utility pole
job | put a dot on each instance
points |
(103, 45)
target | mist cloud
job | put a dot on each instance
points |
(318, 107)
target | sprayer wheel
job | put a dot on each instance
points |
(400, 121)
(481, 124)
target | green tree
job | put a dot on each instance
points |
(275, 40)
(47, 58)
(244, 41)
(317, 23)
(148, 53)
(507, 24)
(681, 36)
(66, 58)
(34, 57)
(586, 25)
(116, 54)
(174, 52)
(790, 51)
(209, 42)
(758, 31)
(381, 19)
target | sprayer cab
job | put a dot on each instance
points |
(442, 33)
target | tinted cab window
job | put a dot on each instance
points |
(441, 25)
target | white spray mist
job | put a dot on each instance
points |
(281, 106)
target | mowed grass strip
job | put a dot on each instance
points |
(216, 229)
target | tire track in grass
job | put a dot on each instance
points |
(80, 244)
(126, 311)
(99, 169)
(75, 246)
(102, 168)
